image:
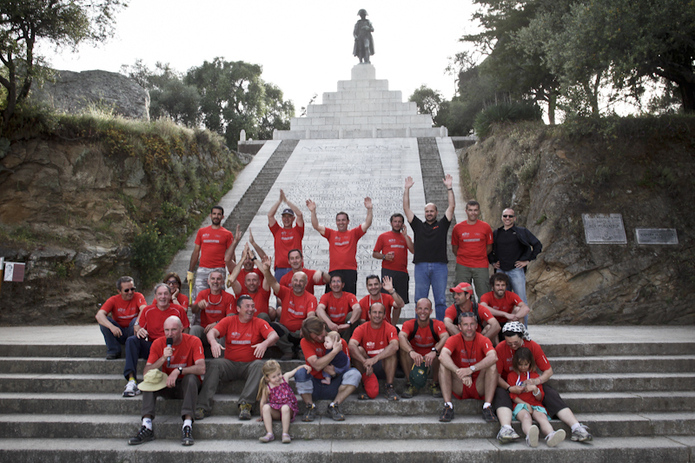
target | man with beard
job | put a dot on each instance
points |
(392, 248)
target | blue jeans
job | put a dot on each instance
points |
(113, 343)
(517, 277)
(306, 383)
(281, 272)
(135, 348)
(432, 274)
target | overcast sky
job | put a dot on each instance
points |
(304, 46)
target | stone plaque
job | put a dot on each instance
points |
(656, 236)
(604, 229)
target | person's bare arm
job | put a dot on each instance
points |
(356, 313)
(229, 253)
(269, 277)
(273, 210)
(451, 327)
(321, 313)
(311, 205)
(299, 217)
(259, 250)
(367, 221)
(194, 258)
(398, 302)
(448, 181)
(103, 321)
(408, 241)
(409, 182)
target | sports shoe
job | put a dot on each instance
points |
(131, 389)
(244, 411)
(286, 438)
(187, 435)
(532, 437)
(581, 434)
(113, 356)
(201, 413)
(506, 435)
(309, 413)
(267, 438)
(144, 435)
(436, 392)
(488, 416)
(447, 414)
(390, 393)
(409, 392)
(335, 413)
(555, 438)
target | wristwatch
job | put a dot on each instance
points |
(349, 322)
(472, 367)
(434, 349)
(180, 371)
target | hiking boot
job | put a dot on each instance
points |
(131, 389)
(436, 392)
(581, 434)
(201, 413)
(447, 414)
(245, 411)
(310, 413)
(555, 438)
(187, 435)
(488, 416)
(506, 435)
(409, 392)
(390, 392)
(144, 435)
(335, 413)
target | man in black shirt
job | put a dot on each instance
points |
(430, 256)
(512, 249)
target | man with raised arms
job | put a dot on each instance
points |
(287, 236)
(257, 289)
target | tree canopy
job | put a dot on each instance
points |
(63, 23)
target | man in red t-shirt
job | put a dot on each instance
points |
(211, 306)
(314, 277)
(421, 340)
(488, 326)
(339, 309)
(389, 298)
(471, 241)
(255, 286)
(297, 305)
(469, 368)
(124, 307)
(214, 245)
(287, 237)
(392, 248)
(148, 328)
(183, 363)
(247, 338)
(342, 243)
(374, 349)
(505, 305)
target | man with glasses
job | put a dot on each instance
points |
(118, 315)
(513, 248)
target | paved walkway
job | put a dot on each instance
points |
(543, 334)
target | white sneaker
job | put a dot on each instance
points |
(131, 389)
(532, 437)
(555, 438)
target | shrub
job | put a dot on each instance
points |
(505, 112)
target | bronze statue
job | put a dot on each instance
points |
(364, 43)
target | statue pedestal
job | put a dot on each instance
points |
(363, 72)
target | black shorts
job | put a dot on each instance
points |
(401, 283)
(349, 280)
(552, 401)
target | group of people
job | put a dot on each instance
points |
(467, 349)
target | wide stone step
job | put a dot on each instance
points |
(622, 382)
(382, 427)
(615, 450)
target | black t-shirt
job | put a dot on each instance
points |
(430, 240)
(509, 249)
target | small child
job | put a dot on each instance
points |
(529, 401)
(340, 362)
(277, 400)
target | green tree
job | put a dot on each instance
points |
(428, 100)
(234, 97)
(63, 23)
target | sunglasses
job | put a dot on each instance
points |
(508, 216)
(127, 290)
(172, 282)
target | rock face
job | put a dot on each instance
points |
(551, 181)
(74, 91)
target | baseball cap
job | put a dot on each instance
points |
(462, 287)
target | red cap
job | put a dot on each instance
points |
(462, 287)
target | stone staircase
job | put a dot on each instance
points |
(64, 403)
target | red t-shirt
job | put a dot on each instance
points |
(219, 306)
(366, 302)
(240, 337)
(185, 354)
(515, 379)
(286, 280)
(242, 279)
(374, 341)
(286, 239)
(472, 241)
(260, 299)
(484, 314)
(123, 311)
(295, 308)
(466, 353)
(506, 304)
(182, 300)
(309, 349)
(152, 319)
(213, 244)
(342, 248)
(423, 341)
(393, 242)
(337, 309)
(505, 354)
